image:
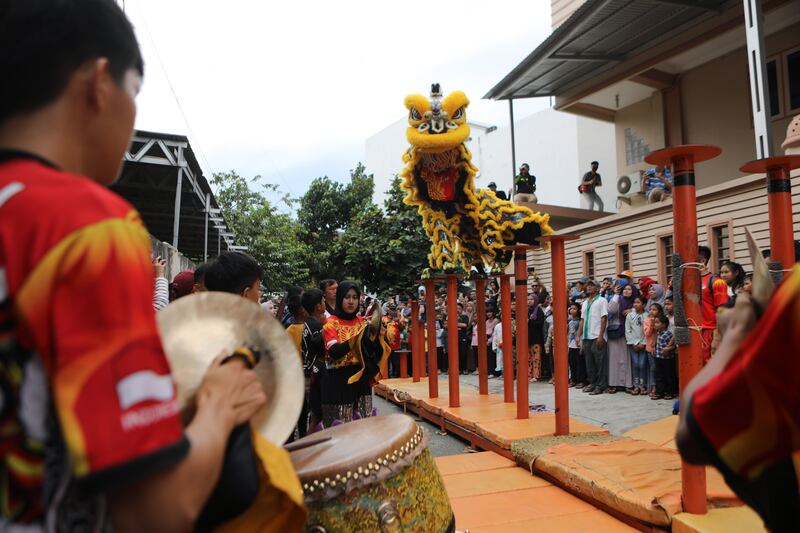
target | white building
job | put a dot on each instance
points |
(558, 147)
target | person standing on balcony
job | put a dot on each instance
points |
(589, 183)
(500, 194)
(525, 185)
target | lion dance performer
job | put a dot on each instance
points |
(467, 227)
(355, 347)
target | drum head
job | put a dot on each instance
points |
(197, 328)
(356, 444)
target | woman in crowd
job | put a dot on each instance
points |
(655, 294)
(733, 275)
(636, 341)
(619, 369)
(535, 338)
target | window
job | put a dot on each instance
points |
(623, 256)
(783, 83)
(588, 264)
(774, 88)
(791, 62)
(720, 245)
(666, 248)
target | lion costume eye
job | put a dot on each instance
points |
(414, 114)
(459, 114)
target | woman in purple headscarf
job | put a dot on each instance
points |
(619, 365)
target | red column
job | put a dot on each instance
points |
(560, 340)
(430, 315)
(521, 297)
(508, 339)
(483, 373)
(779, 198)
(414, 341)
(421, 353)
(452, 338)
(684, 215)
(404, 361)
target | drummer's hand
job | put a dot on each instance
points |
(232, 390)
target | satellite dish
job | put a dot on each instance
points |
(623, 184)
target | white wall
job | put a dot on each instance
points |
(558, 146)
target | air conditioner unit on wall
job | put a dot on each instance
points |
(629, 188)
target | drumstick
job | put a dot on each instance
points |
(294, 446)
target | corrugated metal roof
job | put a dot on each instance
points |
(597, 36)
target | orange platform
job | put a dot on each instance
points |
(483, 419)
(489, 493)
(660, 432)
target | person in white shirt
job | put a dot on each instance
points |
(497, 346)
(594, 319)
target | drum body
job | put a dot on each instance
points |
(373, 475)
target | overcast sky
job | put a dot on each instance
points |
(291, 90)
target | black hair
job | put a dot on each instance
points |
(232, 272)
(311, 299)
(657, 306)
(575, 304)
(594, 163)
(704, 252)
(325, 283)
(44, 42)
(641, 298)
(200, 273)
(294, 299)
(738, 273)
(662, 317)
(766, 253)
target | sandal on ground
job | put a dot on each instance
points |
(655, 397)
(611, 390)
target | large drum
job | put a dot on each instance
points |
(372, 475)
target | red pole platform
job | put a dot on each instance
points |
(403, 356)
(521, 303)
(483, 373)
(430, 315)
(779, 198)
(560, 340)
(684, 215)
(421, 352)
(414, 341)
(452, 338)
(508, 338)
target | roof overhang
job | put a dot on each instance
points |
(603, 35)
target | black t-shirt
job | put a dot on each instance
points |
(525, 184)
(464, 333)
(588, 178)
(501, 195)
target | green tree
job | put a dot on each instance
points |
(387, 250)
(272, 238)
(326, 211)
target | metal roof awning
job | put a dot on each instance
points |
(598, 36)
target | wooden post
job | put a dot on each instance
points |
(452, 339)
(779, 198)
(690, 358)
(430, 315)
(560, 340)
(414, 341)
(508, 338)
(483, 373)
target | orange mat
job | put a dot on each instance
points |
(472, 462)
(637, 478)
(489, 493)
(468, 416)
(503, 432)
(440, 405)
(660, 432)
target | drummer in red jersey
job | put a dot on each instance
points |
(91, 432)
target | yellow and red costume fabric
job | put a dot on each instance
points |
(748, 417)
(83, 373)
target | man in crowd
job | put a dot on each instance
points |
(592, 329)
(500, 194)
(588, 187)
(328, 288)
(525, 185)
(656, 184)
(93, 435)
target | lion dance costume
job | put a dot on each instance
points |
(467, 227)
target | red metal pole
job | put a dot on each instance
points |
(483, 373)
(508, 339)
(560, 340)
(452, 339)
(421, 352)
(690, 358)
(404, 362)
(414, 341)
(779, 198)
(430, 315)
(521, 297)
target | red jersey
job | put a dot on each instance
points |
(711, 299)
(85, 380)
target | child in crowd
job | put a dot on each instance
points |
(636, 341)
(665, 366)
(650, 344)
(577, 363)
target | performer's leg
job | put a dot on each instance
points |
(364, 405)
(332, 413)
